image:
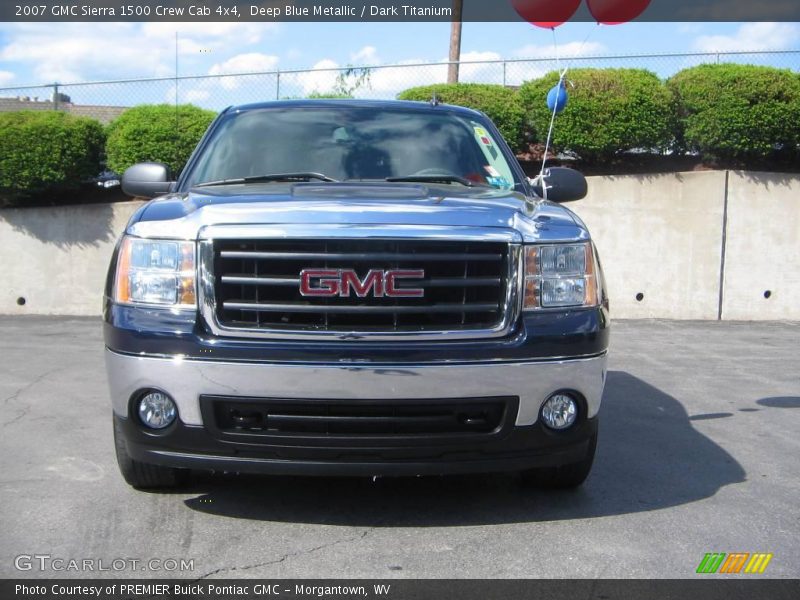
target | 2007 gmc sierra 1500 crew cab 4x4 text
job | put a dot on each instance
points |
(355, 288)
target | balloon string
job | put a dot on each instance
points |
(550, 132)
(556, 103)
(553, 117)
(555, 49)
(583, 44)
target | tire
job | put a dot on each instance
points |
(565, 476)
(143, 476)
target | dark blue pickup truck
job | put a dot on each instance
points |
(355, 288)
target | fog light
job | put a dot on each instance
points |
(560, 411)
(157, 410)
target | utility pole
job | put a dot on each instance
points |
(455, 41)
(177, 109)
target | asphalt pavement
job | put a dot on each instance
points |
(699, 452)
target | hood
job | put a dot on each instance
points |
(371, 205)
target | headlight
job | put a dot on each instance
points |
(155, 272)
(560, 275)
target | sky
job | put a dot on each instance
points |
(39, 53)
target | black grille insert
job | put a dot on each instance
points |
(257, 284)
(277, 419)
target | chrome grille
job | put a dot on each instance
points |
(256, 285)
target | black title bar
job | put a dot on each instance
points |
(708, 588)
(375, 10)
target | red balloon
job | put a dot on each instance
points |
(615, 12)
(546, 13)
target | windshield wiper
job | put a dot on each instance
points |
(273, 177)
(432, 179)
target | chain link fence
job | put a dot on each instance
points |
(104, 100)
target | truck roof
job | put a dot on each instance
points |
(353, 103)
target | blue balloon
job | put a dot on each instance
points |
(557, 98)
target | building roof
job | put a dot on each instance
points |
(104, 114)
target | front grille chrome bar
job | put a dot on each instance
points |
(389, 309)
(440, 282)
(358, 257)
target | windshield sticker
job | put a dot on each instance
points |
(492, 171)
(499, 182)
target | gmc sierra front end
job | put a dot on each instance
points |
(355, 288)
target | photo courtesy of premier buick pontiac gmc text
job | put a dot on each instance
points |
(343, 287)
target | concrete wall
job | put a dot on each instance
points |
(762, 256)
(659, 239)
(56, 258)
(669, 239)
(673, 239)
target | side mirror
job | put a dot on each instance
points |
(147, 180)
(560, 185)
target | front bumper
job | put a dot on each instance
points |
(191, 443)
(172, 352)
(188, 379)
(523, 448)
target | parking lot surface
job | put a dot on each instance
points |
(699, 452)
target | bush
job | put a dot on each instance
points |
(737, 112)
(42, 152)
(329, 96)
(610, 111)
(501, 104)
(159, 133)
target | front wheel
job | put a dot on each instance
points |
(564, 476)
(143, 476)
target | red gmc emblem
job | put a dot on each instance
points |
(340, 282)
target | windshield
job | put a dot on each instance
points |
(354, 144)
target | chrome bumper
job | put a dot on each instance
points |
(186, 380)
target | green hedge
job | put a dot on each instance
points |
(159, 133)
(43, 152)
(501, 104)
(609, 111)
(329, 96)
(734, 112)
